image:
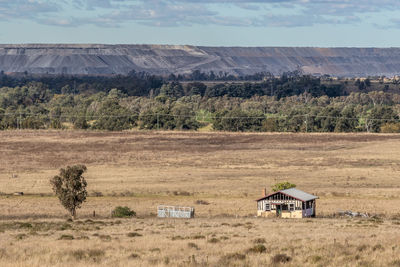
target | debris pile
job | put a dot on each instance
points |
(353, 214)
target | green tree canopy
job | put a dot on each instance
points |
(70, 187)
(282, 186)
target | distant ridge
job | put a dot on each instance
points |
(100, 59)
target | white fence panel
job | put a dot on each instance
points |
(175, 212)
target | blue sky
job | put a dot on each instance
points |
(326, 23)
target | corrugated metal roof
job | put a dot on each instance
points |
(296, 193)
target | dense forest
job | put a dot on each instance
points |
(292, 102)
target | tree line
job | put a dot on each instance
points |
(306, 105)
(143, 84)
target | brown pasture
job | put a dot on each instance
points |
(142, 169)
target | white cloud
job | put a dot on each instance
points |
(174, 13)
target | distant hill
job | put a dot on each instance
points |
(98, 59)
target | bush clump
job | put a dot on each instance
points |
(232, 259)
(281, 258)
(259, 248)
(235, 256)
(133, 234)
(202, 202)
(193, 245)
(213, 240)
(282, 186)
(134, 256)
(122, 212)
(94, 255)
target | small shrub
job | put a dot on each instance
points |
(181, 193)
(155, 250)
(95, 253)
(66, 237)
(260, 248)
(362, 247)
(166, 260)
(213, 240)
(202, 202)
(235, 256)
(281, 258)
(133, 256)
(20, 236)
(122, 212)
(78, 254)
(178, 237)
(192, 245)
(65, 226)
(133, 234)
(378, 247)
(105, 237)
(25, 225)
(260, 241)
(90, 254)
(315, 258)
(227, 259)
(198, 237)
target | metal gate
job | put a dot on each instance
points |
(175, 212)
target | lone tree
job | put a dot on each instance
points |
(282, 186)
(70, 187)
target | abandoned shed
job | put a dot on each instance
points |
(287, 203)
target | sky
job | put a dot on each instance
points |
(315, 23)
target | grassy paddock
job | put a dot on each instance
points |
(220, 174)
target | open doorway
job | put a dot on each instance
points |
(278, 210)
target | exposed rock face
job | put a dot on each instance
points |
(165, 59)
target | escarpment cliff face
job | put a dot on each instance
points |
(95, 59)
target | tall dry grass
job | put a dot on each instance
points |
(220, 174)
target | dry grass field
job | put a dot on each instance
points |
(228, 171)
